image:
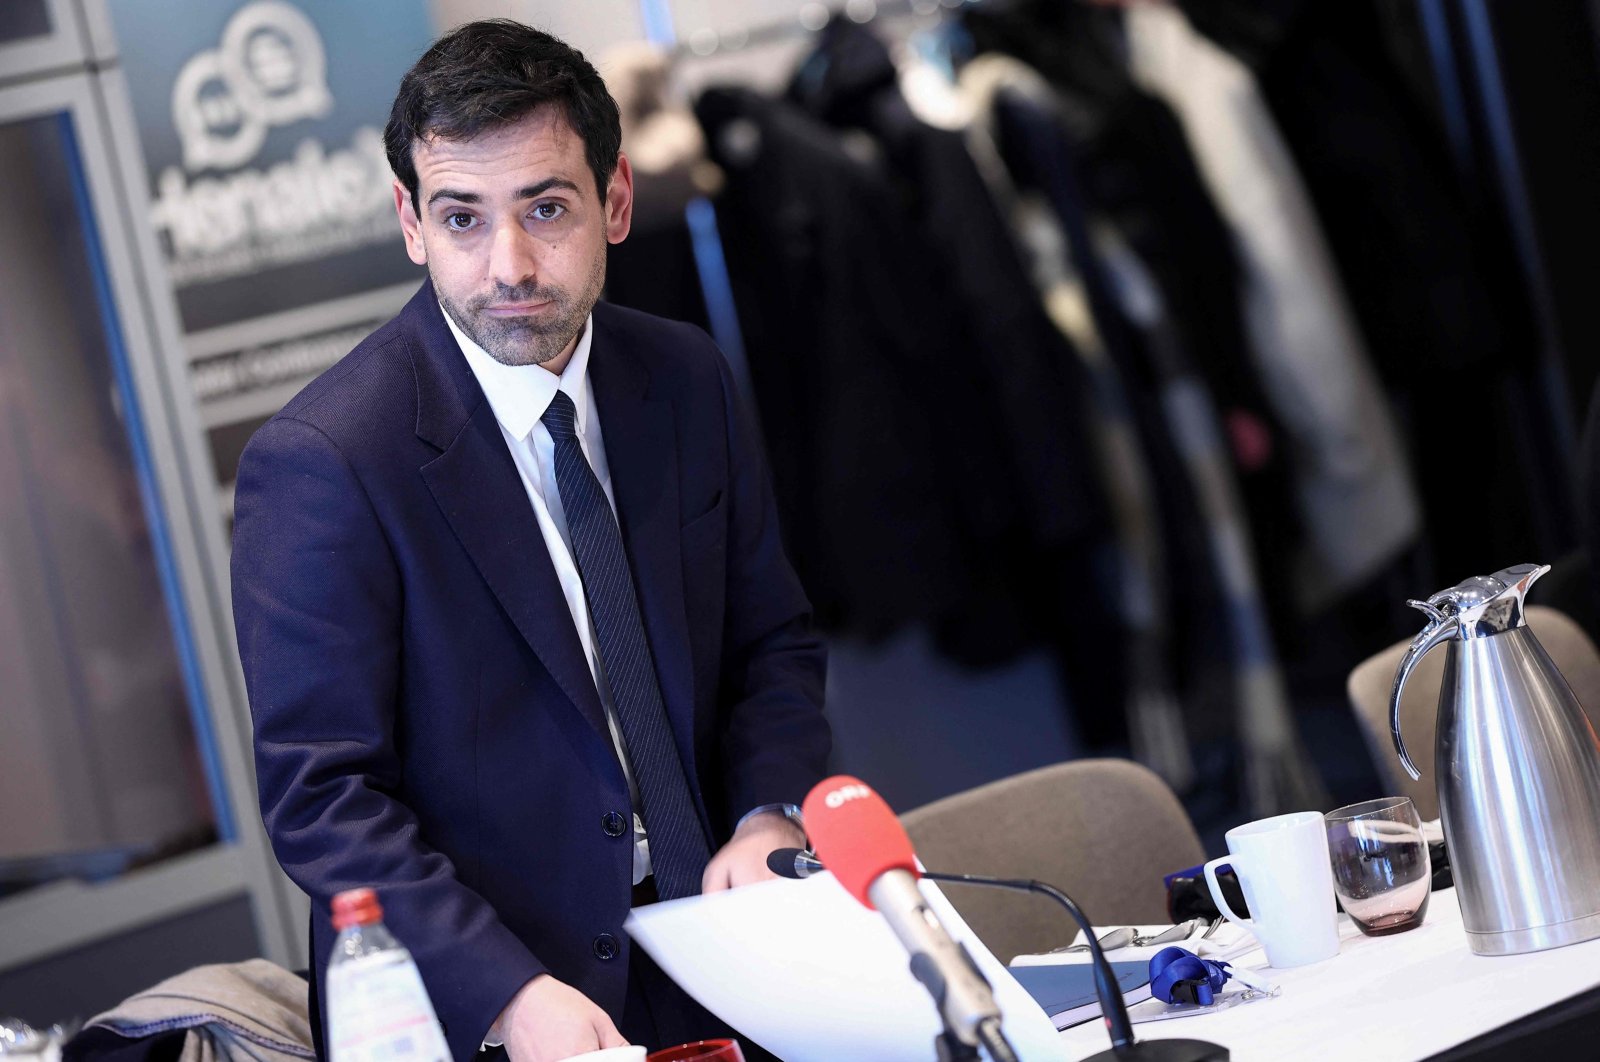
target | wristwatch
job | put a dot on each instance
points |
(788, 811)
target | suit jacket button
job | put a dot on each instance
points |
(605, 947)
(614, 824)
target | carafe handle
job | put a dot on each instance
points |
(1440, 628)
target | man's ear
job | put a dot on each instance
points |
(619, 202)
(409, 224)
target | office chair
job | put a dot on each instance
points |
(1104, 831)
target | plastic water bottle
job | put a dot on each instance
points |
(378, 1010)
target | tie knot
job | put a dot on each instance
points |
(561, 418)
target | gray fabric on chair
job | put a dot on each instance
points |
(1370, 683)
(1104, 831)
(250, 1010)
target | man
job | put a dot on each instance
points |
(511, 570)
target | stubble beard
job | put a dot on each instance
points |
(518, 341)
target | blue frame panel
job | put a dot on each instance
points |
(149, 494)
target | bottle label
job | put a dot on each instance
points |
(378, 1011)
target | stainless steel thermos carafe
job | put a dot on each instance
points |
(1518, 770)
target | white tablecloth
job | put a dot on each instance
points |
(1381, 999)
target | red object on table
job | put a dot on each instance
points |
(700, 1051)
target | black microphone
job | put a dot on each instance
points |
(793, 863)
(798, 863)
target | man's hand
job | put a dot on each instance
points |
(549, 1020)
(743, 860)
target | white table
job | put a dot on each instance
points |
(1381, 999)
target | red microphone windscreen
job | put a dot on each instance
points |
(855, 834)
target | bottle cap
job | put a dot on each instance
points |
(356, 907)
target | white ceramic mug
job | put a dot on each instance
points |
(1287, 876)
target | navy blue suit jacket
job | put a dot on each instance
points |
(425, 719)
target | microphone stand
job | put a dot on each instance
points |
(1124, 1048)
(796, 863)
(969, 1019)
(949, 1047)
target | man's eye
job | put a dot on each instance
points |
(548, 211)
(459, 221)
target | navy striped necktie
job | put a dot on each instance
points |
(679, 850)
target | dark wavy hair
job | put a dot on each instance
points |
(492, 73)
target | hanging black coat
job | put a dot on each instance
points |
(1035, 393)
(855, 363)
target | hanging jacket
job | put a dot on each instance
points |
(1039, 393)
(1234, 685)
(850, 357)
(1137, 173)
(1352, 477)
(850, 82)
(1040, 201)
(1424, 257)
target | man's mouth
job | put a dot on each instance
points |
(514, 309)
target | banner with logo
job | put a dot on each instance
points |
(261, 124)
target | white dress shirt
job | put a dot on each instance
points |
(519, 396)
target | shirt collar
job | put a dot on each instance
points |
(519, 394)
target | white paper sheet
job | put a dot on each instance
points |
(813, 976)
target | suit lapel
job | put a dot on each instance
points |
(477, 487)
(642, 451)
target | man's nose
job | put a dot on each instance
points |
(513, 257)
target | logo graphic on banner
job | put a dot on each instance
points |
(277, 159)
(260, 124)
(270, 69)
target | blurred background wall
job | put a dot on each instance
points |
(1122, 370)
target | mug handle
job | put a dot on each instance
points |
(1220, 900)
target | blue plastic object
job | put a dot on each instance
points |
(1178, 975)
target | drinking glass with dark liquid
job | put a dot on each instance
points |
(1381, 870)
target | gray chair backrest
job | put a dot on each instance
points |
(1373, 679)
(1104, 831)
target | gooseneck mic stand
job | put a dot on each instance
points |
(948, 1047)
(961, 994)
(1124, 1048)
